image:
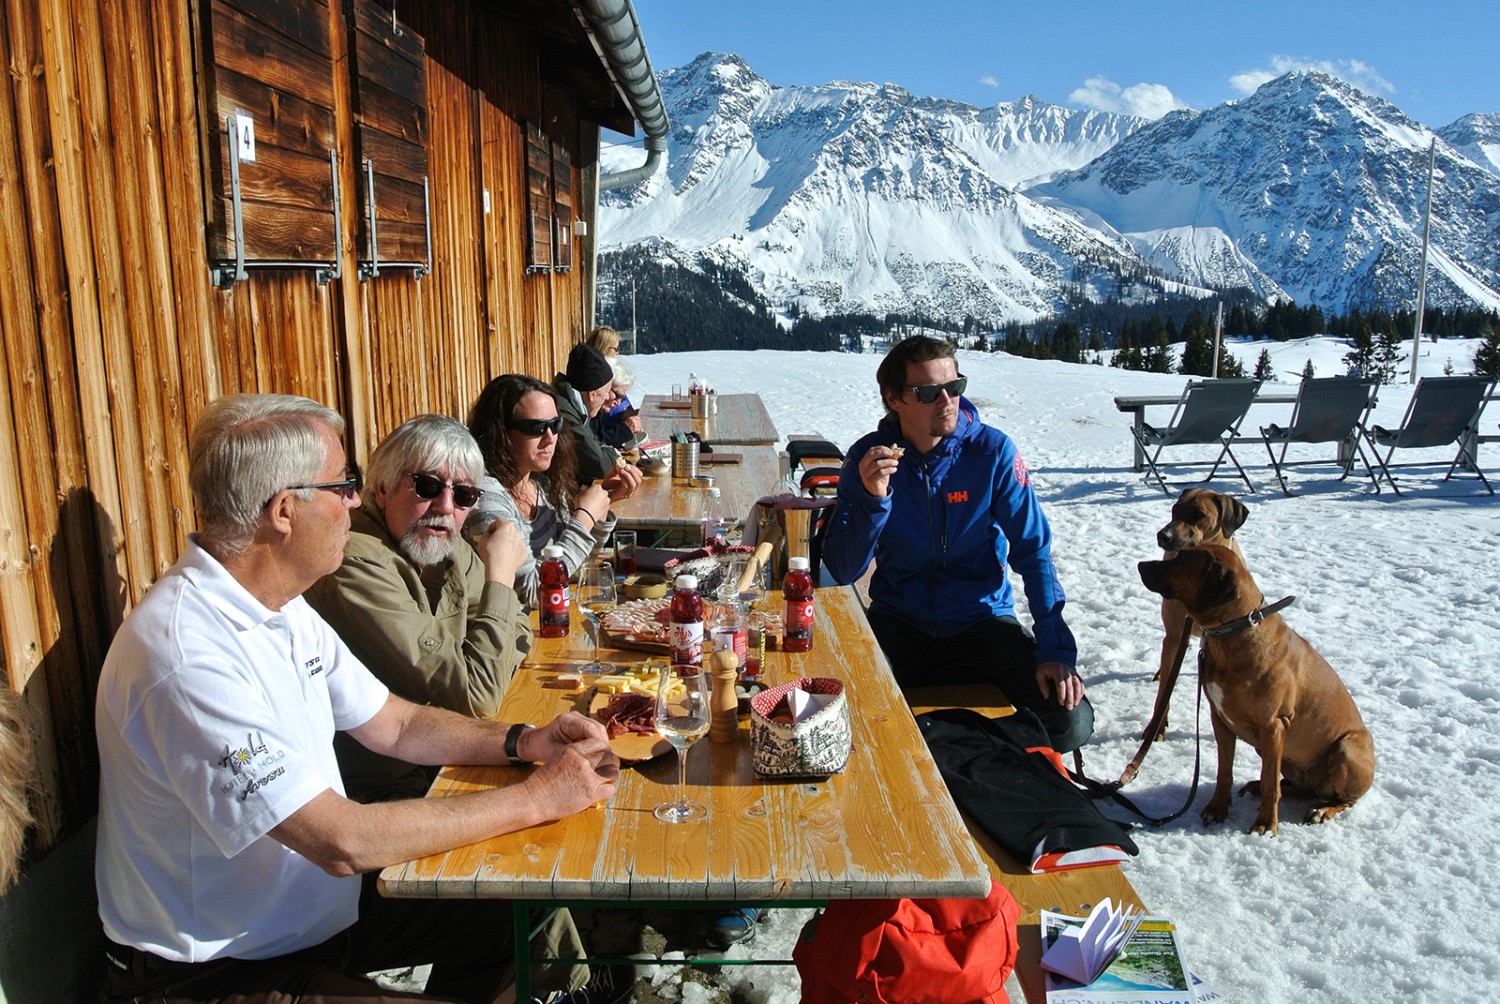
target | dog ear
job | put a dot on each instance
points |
(1232, 514)
(1218, 585)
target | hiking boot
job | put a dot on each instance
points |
(737, 927)
(606, 985)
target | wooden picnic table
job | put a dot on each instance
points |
(742, 419)
(1137, 405)
(664, 503)
(884, 828)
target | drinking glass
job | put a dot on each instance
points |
(596, 597)
(625, 552)
(682, 717)
(677, 392)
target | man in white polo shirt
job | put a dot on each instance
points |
(229, 861)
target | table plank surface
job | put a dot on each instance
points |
(884, 828)
(742, 419)
(661, 502)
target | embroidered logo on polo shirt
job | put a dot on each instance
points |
(261, 782)
(314, 666)
(238, 759)
(243, 763)
(1022, 475)
(956, 497)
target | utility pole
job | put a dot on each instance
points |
(1416, 335)
(634, 346)
(1218, 336)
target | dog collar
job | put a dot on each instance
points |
(1250, 620)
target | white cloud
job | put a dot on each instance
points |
(989, 81)
(1150, 101)
(1353, 71)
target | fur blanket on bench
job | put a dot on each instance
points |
(15, 783)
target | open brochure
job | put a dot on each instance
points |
(1149, 969)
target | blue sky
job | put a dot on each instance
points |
(1435, 61)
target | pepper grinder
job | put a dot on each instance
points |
(724, 725)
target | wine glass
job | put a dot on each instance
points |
(682, 717)
(596, 597)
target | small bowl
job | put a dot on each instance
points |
(653, 468)
(645, 586)
(750, 688)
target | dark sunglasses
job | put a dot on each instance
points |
(534, 427)
(928, 392)
(425, 486)
(348, 488)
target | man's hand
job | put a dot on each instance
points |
(1054, 678)
(876, 468)
(503, 551)
(621, 482)
(634, 423)
(578, 767)
(544, 743)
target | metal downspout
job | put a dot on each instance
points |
(619, 34)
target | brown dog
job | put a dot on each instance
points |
(1199, 517)
(1269, 687)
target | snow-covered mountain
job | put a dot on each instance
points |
(1476, 136)
(857, 196)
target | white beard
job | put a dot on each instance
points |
(426, 551)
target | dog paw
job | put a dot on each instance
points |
(1264, 828)
(1251, 788)
(1323, 813)
(1215, 813)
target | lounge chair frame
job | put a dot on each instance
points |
(1209, 412)
(1328, 410)
(1443, 411)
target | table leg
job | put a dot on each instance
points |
(1138, 458)
(521, 920)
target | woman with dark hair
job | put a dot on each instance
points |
(531, 468)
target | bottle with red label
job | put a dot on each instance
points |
(685, 631)
(797, 588)
(553, 577)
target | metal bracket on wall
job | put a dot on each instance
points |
(228, 274)
(370, 269)
(426, 266)
(334, 269)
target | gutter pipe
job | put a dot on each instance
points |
(619, 35)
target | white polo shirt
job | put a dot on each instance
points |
(215, 719)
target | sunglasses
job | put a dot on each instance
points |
(534, 427)
(928, 392)
(427, 487)
(348, 488)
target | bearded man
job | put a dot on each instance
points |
(436, 620)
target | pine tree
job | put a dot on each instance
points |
(1197, 353)
(1263, 370)
(1487, 355)
(1307, 370)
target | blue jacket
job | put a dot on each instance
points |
(942, 536)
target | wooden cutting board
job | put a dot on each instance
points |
(631, 748)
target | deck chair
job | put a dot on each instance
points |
(1444, 411)
(1328, 410)
(1209, 412)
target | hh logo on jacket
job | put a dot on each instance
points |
(956, 497)
(1022, 475)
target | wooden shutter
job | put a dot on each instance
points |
(388, 67)
(272, 63)
(538, 200)
(562, 208)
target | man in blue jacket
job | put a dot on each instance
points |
(941, 503)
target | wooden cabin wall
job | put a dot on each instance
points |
(113, 336)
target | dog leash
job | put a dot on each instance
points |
(1111, 790)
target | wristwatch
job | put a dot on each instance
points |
(513, 743)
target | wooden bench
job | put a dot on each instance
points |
(1073, 892)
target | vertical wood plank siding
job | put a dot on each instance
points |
(113, 337)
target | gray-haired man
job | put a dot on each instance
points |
(228, 859)
(436, 620)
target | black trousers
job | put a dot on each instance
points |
(469, 944)
(998, 651)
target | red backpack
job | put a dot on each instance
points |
(926, 951)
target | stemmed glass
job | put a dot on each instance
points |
(682, 717)
(596, 597)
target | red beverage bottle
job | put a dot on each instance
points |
(685, 633)
(553, 575)
(797, 588)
